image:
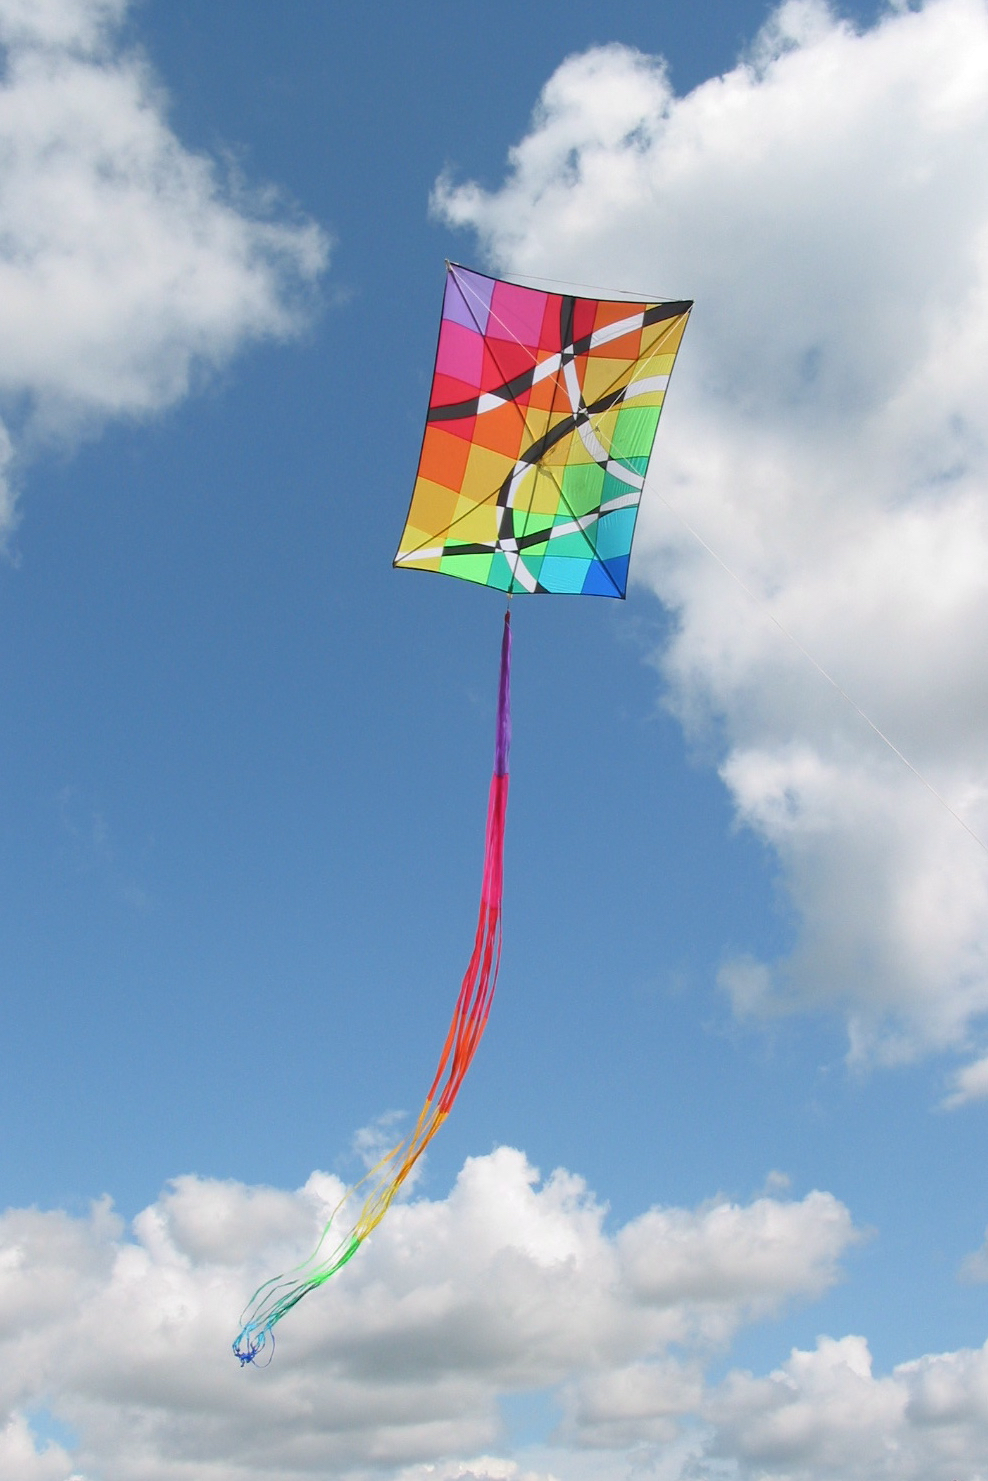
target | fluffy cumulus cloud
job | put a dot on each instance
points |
(824, 1417)
(115, 1358)
(827, 437)
(509, 1284)
(126, 263)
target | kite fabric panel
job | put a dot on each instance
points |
(276, 1297)
(541, 421)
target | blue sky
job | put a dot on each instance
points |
(243, 762)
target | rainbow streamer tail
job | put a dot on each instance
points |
(276, 1297)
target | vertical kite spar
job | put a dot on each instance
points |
(277, 1297)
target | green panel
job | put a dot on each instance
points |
(531, 524)
(635, 431)
(467, 567)
(583, 485)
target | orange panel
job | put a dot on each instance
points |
(444, 457)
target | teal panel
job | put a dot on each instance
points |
(571, 545)
(500, 573)
(531, 563)
(563, 575)
(616, 488)
(614, 533)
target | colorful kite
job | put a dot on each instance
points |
(541, 421)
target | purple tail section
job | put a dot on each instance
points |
(502, 744)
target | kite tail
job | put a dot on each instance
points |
(276, 1297)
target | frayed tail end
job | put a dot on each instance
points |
(250, 1342)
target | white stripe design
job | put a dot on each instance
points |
(489, 401)
(580, 524)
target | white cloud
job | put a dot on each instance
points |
(21, 1459)
(481, 1468)
(970, 1083)
(823, 1416)
(77, 24)
(126, 264)
(827, 435)
(974, 1267)
(508, 1284)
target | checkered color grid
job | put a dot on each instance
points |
(541, 422)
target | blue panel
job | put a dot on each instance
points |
(618, 570)
(599, 584)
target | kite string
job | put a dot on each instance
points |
(608, 295)
(763, 605)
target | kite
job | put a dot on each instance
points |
(541, 420)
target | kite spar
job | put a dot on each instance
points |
(541, 420)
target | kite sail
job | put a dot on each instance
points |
(543, 412)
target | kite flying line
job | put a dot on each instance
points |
(763, 605)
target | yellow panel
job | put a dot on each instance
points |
(475, 522)
(650, 398)
(538, 495)
(486, 471)
(413, 540)
(665, 335)
(604, 423)
(567, 450)
(432, 509)
(654, 364)
(603, 375)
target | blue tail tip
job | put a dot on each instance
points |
(247, 1347)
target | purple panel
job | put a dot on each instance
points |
(468, 299)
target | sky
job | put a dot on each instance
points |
(711, 1205)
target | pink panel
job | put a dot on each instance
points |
(516, 314)
(461, 353)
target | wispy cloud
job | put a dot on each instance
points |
(970, 1083)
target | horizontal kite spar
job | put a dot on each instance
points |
(277, 1297)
